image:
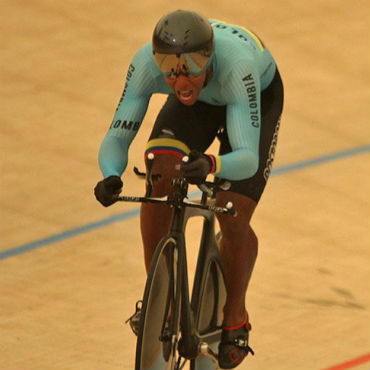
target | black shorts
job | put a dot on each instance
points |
(180, 128)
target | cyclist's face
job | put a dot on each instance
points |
(187, 88)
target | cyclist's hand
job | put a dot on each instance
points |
(107, 190)
(197, 168)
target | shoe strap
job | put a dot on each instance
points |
(238, 326)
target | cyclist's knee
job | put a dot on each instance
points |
(239, 240)
(239, 226)
(239, 234)
(167, 166)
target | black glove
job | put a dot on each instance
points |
(197, 168)
(107, 190)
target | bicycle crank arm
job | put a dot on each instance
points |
(206, 350)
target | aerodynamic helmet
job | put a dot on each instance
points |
(183, 43)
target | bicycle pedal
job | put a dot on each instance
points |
(134, 320)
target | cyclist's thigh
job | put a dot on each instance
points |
(271, 108)
(179, 128)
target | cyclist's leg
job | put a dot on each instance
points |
(177, 130)
(155, 218)
(238, 250)
(239, 242)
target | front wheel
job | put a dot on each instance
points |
(159, 323)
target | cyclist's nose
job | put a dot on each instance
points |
(182, 82)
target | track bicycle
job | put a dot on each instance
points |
(175, 329)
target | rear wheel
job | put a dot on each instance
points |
(209, 314)
(159, 323)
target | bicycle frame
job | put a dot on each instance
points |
(192, 333)
(199, 326)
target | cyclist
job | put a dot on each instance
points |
(221, 81)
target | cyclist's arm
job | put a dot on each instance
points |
(113, 153)
(243, 124)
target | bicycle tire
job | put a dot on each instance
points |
(213, 296)
(209, 313)
(160, 320)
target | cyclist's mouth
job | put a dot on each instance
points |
(185, 95)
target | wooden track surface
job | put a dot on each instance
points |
(63, 303)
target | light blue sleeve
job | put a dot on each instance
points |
(113, 153)
(243, 121)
